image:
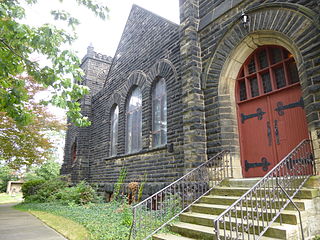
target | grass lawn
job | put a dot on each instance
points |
(5, 198)
(109, 221)
(68, 228)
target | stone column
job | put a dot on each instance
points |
(192, 95)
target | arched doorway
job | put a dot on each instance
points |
(270, 109)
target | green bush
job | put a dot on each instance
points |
(40, 190)
(56, 190)
(30, 188)
(80, 194)
(48, 189)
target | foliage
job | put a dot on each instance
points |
(103, 221)
(119, 183)
(40, 190)
(68, 228)
(80, 194)
(140, 191)
(48, 170)
(19, 41)
(6, 175)
(31, 187)
(24, 145)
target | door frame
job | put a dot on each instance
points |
(229, 73)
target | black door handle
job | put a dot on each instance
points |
(269, 133)
(276, 130)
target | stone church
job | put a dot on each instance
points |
(242, 75)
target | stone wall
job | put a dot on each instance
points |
(95, 67)
(148, 49)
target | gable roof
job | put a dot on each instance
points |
(141, 24)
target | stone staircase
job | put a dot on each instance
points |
(197, 223)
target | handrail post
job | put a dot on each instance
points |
(293, 203)
(133, 222)
(216, 228)
(188, 187)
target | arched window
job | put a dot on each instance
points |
(134, 121)
(267, 70)
(74, 152)
(114, 130)
(159, 114)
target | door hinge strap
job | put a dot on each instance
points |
(258, 114)
(264, 164)
(280, 107)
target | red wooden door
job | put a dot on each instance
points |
(271, 117)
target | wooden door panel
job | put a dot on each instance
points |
(271, 117)
(289, 118)
(255, 138)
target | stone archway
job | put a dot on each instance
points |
(230, 70)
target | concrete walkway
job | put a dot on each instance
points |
(16, 225)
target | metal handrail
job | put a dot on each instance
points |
(156, 211)
(252, 214)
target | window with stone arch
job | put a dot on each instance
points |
(159, 114)
(74, 152)
(134, 121)
(114, 130)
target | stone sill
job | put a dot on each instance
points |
(143, 151)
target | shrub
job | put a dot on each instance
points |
(40, 190)
(56, 190)
(31, 187)
(80, 194)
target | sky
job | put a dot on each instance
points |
(104, 35)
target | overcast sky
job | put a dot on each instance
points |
(104, 35)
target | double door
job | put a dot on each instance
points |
(270, 127)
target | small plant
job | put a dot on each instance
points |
(119, 183)
(140, 191)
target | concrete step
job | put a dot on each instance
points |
(276, 230)
(240, 182)
(202, 232)
(288, 216)
(304, 193)
(168, 236)
(228, 200)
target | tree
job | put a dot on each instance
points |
(6, 175)
(26, 145)
(50, 169)
(63, 75)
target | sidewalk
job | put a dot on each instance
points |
(16, 225)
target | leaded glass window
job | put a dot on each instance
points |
(134, 121)
(267, 69)
(279, 75)
(114, 130)
(254, 87)
(159, 114)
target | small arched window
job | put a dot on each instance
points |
(74, 152)
(114, 130)
(134, 121)
(159, 114)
